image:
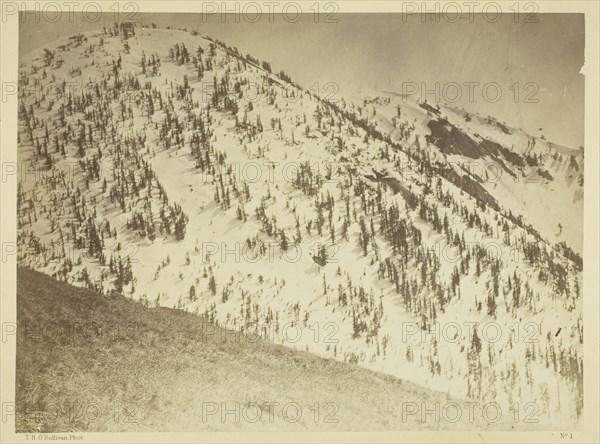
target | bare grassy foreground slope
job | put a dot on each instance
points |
(89, 362)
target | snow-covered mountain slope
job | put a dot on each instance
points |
(529, 176)
(186, 174)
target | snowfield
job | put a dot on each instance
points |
(424, 242)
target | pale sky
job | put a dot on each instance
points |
(389, 51)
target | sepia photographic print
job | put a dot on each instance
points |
(268, 218)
